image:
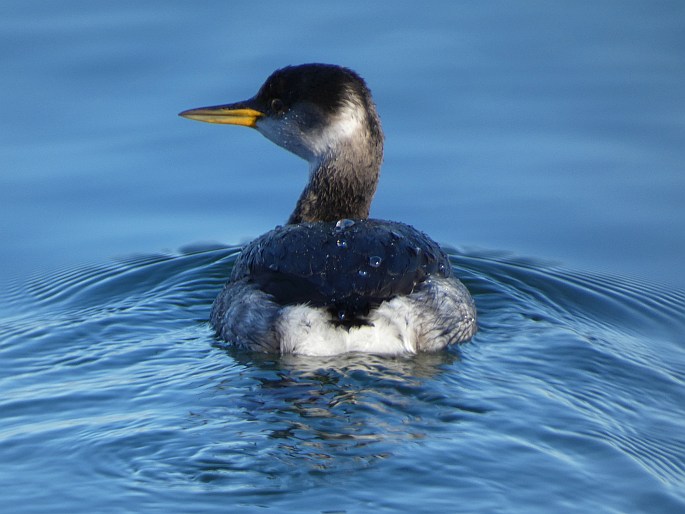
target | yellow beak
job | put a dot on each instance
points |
(231, 114)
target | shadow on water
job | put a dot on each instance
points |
(116, 367)
(337, 414)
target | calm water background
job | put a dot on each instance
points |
(545, 142)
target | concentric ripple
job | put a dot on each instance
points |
(115, 394)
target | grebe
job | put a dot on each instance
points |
(331, 280)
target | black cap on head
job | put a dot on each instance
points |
(325, 85)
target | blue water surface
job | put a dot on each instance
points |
(541, 143)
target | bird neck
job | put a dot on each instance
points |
(343, 179)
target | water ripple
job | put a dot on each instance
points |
(576, 379)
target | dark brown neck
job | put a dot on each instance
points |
(342, 182)
(335, 192)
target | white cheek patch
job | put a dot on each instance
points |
(313, 145)
(347, 124)
(280, 132)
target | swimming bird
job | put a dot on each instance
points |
(331, 280)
